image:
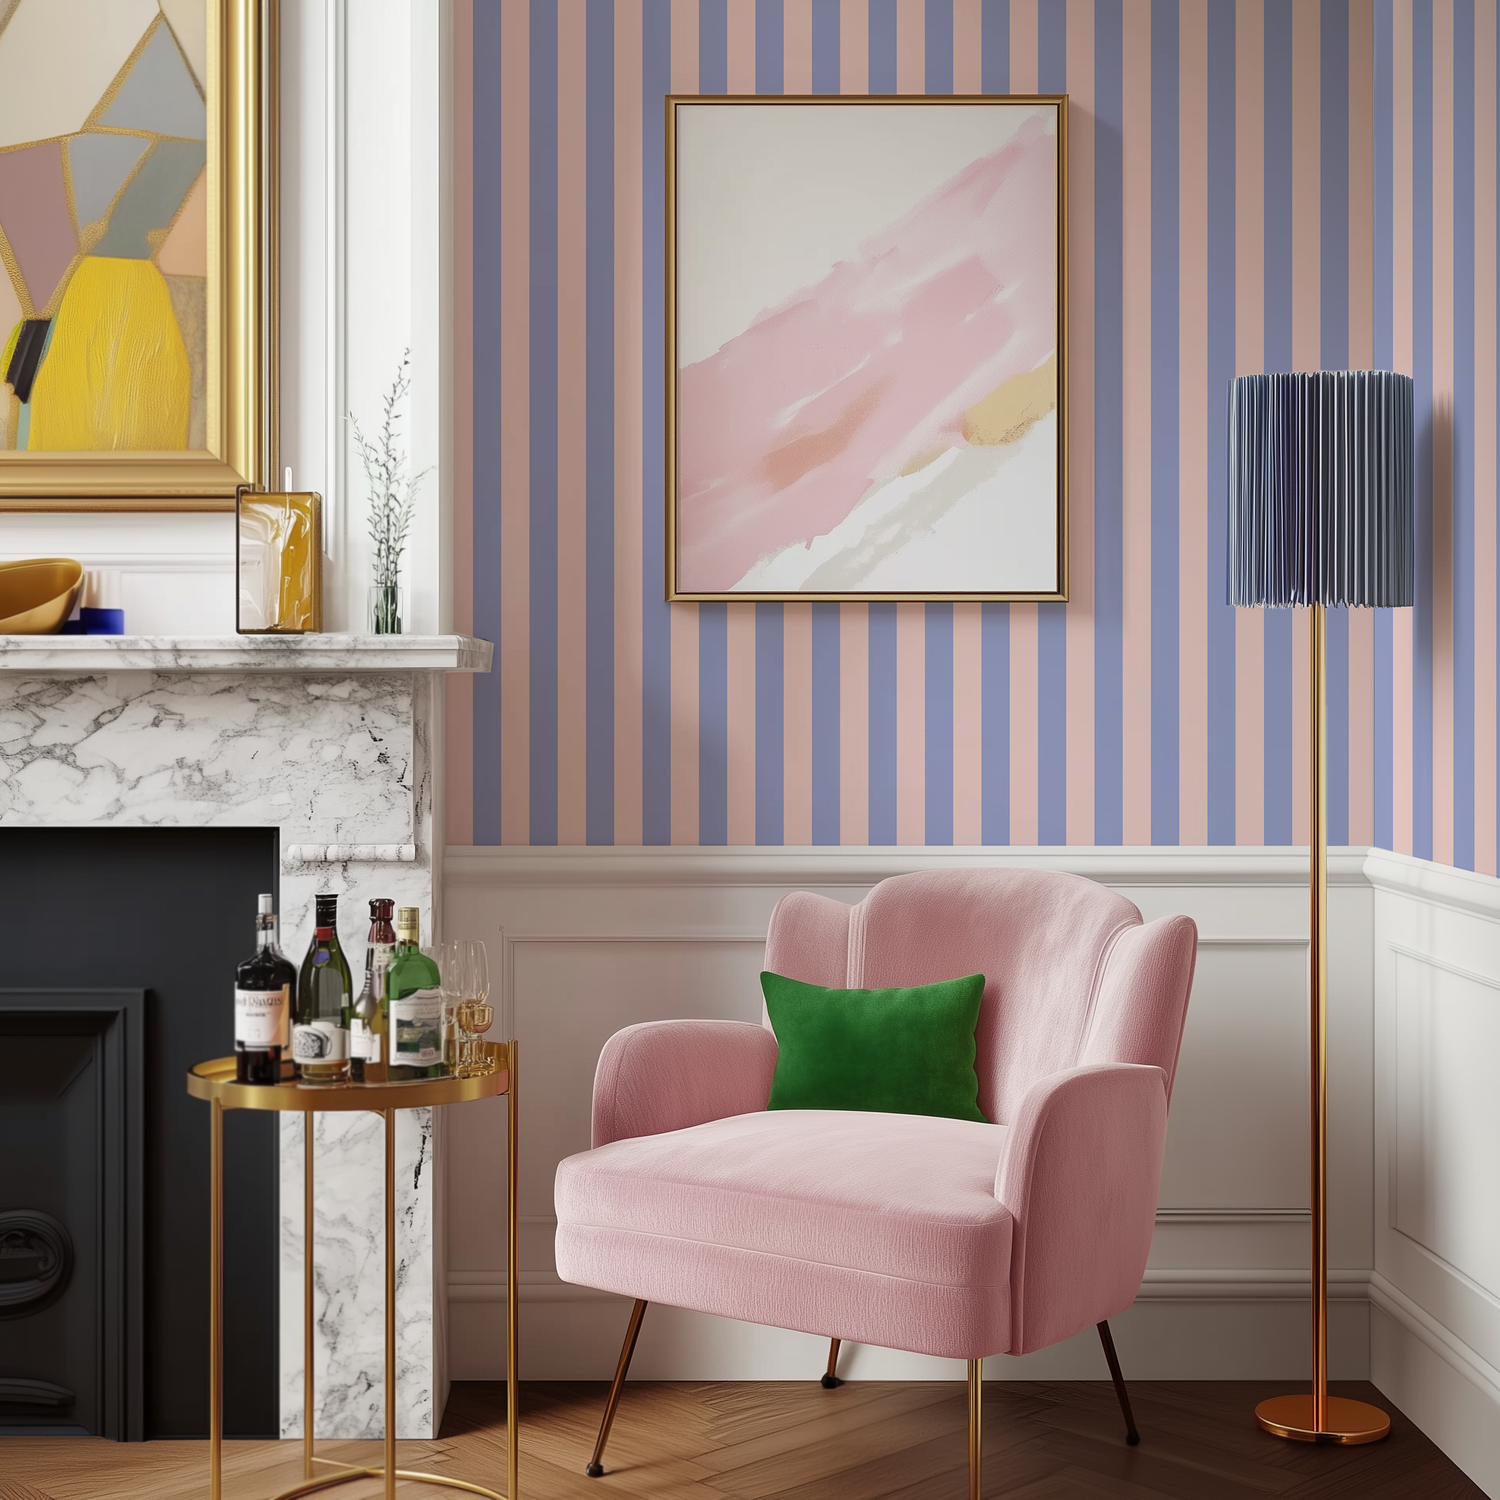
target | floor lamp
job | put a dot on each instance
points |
(1320, 516)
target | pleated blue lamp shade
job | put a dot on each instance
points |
(1320, 489)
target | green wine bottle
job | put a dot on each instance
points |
(320, 1037)
(414, 1004)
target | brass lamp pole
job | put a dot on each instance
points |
(1320, 513)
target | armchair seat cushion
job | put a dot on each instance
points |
(879, 1228)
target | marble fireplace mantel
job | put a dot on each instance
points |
(72, 654)
(333, 740)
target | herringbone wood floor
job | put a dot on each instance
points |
(869, 1440)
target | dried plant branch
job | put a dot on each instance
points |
(393, 492)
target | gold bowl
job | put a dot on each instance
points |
(38, 595)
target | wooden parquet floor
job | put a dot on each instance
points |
(869, 1440)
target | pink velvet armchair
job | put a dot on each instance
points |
(938, 1236)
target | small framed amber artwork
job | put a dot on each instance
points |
(134, 288)
(278, 544)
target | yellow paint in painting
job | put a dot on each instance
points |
(116, 375)
(10, 346)
(10, 312)
(921, 461)
(12, 406)
(1008, 413)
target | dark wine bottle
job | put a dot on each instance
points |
(320, 1037)
(265, 994)
(369, 1055)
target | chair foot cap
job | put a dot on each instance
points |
(595, 1471)
(831, 1382)
(1133, 1440)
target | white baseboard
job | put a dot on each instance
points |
(1232, 1325)
(1437, 1381)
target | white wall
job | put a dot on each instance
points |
(1435, 1289)
(365, 243)
(587, 941)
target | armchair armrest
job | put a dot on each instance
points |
(667, 1075)
(1081, 1175)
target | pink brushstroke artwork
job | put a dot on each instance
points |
(850, 382)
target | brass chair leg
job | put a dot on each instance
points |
(632, 1333)
(831, 1381)
(1106, 1338)
(976, 1424)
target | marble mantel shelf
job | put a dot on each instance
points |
(87, 654)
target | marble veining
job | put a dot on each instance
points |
(327, 759)
(349, 1275)
(336, 751)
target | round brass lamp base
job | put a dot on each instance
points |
(1347, 1421)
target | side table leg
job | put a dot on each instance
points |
(216, 1304)
(390, 1303)
(308, 1121)
(512, 1276)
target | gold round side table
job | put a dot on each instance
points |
(215, 1082)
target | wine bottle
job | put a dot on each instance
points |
(414, 1004)
(320, 1037)
(368, 1057)
(265, 991)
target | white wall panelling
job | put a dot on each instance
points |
(588, 941)
(176, 571)
(364, 266)
(593, 939)
(1436, 1285)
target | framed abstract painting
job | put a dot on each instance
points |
(866, 341)
(136, 300)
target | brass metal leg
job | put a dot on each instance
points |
(308, 1121)
(1107, 1339)
(513, 1276)
(1319, 1417)
(976, 1424)
(216, 1304)
(325, 1473)
(632, 1333)
(390, 1303)
(831, 1379)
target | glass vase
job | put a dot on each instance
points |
(387, 609)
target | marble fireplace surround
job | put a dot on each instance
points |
(333, 740)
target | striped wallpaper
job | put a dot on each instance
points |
(1254, 185)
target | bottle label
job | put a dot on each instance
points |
(364, 1043)
(320, 1041)
(417, 1021)
(260, 1017)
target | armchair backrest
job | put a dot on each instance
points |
(1072, 975)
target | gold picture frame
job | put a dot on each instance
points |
(1050, 550)
(240, 374)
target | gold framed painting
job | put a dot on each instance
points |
(137, 205)
(866, 347)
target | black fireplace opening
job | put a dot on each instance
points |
(119, 976)
(71, 1098)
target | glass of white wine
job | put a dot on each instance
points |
(479, 1013)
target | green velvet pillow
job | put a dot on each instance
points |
(904, 1052)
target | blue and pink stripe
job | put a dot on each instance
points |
(1254, 184)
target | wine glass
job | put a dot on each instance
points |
(450, 961)
(480, 1013)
